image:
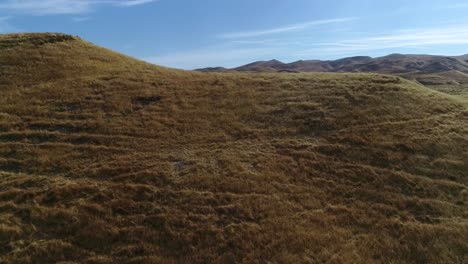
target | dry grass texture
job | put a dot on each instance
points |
(105, 159)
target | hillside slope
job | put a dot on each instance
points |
(447, 74)
(106, 159)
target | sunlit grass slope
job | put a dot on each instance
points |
(106, 159)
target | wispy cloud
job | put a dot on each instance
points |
(416, 38)
(134, 2)
(283, 29)
(51, 7)
(409, 38)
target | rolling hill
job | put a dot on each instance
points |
(448, 74)
(107, 159)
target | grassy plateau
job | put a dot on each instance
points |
(107, 159)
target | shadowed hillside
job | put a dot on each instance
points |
(106, 159)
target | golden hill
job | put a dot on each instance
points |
(106, 159)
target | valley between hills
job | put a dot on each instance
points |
(108, 159)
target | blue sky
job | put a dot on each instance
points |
(200, 33)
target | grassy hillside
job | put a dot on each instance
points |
(106, 159)
(451, 82)
(441, 73)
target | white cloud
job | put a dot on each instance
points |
(283, 29)
(409, 38)
(134, 2)
(51, 7)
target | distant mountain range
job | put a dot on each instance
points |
(391, 64)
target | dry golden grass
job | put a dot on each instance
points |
(106, 159)
(451, 82)
(458, 90)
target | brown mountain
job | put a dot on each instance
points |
(393, 64)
